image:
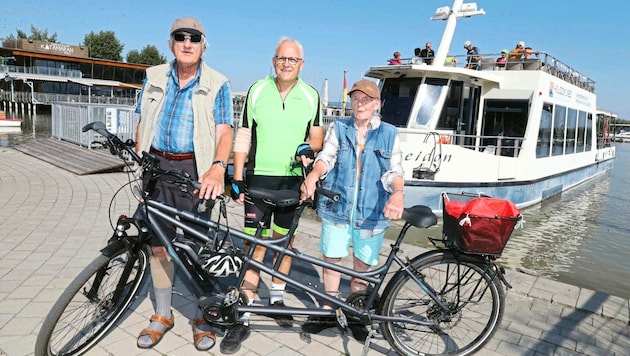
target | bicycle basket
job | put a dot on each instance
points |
(479, 225)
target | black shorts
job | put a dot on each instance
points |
(255, 208)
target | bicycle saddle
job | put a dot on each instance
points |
(419, 216)
(280, 198)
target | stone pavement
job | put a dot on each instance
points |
(53, 223)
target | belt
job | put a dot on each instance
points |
(173, 156)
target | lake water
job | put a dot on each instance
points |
(580, 237)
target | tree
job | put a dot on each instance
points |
(104, 45)
(36, 35)
(149, 55)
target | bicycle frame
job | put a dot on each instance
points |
(158, 213)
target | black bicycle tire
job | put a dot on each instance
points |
(421, 264)
(43, 345)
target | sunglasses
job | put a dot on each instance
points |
(179, 37)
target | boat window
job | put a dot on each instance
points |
(397, 95)
(559, 124)
(504, 126)
(571, 131)
(451, 111)
(581, 130)
(589, 131)
(543, 146)
(432, 95)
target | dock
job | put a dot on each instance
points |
(54, 222)
(73, 158)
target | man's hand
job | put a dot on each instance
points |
(212, 183)
(305, 154)
(238, 191)
(394, 206)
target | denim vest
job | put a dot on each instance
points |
(375, 162)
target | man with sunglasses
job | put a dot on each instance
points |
(280, 114)
(185, 110)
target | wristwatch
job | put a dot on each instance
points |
(220, 163)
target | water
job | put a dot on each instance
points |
(34, 126)
(580, 238)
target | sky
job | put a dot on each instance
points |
(350, 35)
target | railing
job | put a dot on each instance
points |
(69, 118)
(541, 61)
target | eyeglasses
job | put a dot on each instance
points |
(362, 101)
(291, 60)
(180, 37)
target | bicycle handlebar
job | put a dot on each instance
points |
(148, 161)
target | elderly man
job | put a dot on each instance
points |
(281, 113)
(362, 161)
(185, 113)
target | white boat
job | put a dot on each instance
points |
(4, 122)
(523, 132)
(622, 136)
(8, 122)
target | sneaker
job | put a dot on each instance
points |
(359, 331)
(315, 324)
(285, 320)
(233, 338)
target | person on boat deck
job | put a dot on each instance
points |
(450, 60)
(427, 54)
(472, 53)
(281, 113)
(501, 61)
(396, 60)
(520, 52)
(416, 56)
(361, 160)
(185, 110)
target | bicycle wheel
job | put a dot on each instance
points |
(473, 294)
(89, 307)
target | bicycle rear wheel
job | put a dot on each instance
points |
(92, 304)
(472, 292)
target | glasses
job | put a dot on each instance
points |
(180, 37)
(291, 60)
(362, 101)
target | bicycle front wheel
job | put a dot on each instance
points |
(469, 288)
(92, 304)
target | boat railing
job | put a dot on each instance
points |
(507, 146)
(539, 61)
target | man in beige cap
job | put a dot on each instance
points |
(370, 172)
(185, 110)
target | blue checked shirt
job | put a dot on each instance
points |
(174, 129)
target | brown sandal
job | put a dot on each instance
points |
(156, 335)
(199, 335)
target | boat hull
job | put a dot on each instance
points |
(522, 193)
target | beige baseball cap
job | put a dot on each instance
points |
(368, 87)
(188, 24)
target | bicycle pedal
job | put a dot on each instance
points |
(341, 319)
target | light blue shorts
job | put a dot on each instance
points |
(366, 244)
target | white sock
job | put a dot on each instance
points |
(277, 292)
(245, 317)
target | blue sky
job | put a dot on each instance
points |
(351, 35)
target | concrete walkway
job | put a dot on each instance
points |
(53, 223)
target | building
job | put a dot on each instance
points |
(38, 73)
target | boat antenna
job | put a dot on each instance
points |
(459, 9)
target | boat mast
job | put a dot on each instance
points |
(450, 15)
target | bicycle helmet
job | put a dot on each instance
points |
(222, 263)
(467, 43)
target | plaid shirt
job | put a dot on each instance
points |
(174, 129)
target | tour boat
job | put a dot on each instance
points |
(523, 132)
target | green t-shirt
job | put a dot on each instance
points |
(278, 126)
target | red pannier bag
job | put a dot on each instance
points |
(477, 224)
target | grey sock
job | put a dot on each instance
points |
(206, 342)
(163, 298)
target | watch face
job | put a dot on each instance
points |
(221, 163)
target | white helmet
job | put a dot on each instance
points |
(467, 43)
(521, 44)
(222, 263)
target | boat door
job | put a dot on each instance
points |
(467, 120)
